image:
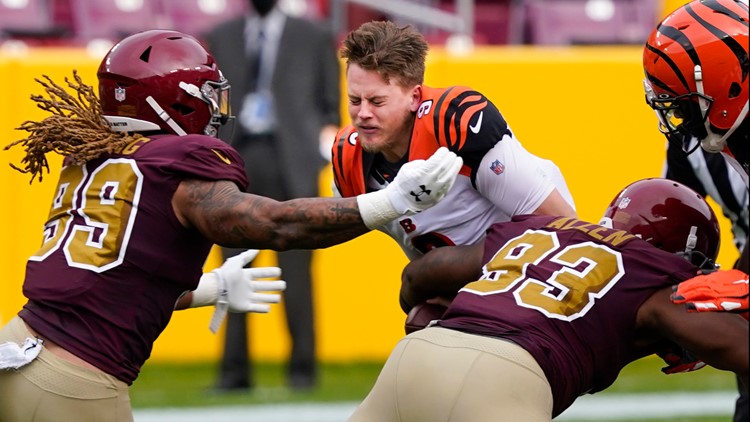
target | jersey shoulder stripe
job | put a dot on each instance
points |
(347, 163)
(459, 118)
(454, 110)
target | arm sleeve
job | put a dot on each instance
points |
(515, 180)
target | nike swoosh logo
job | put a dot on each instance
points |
(475, 128)
(221, 156)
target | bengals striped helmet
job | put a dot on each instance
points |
(696, 64)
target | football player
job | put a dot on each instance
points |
(397, 119)
(551, 308)
(696, 63)
(145, 190)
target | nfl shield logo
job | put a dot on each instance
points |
(120, 94)
(497, 167)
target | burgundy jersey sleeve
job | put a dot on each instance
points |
(568, 292)
(114, 258)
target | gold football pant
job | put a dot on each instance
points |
(441, 375)
(50, 389)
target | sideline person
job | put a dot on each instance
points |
(280, 66)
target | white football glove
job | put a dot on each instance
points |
(418, 185)
(234, 288)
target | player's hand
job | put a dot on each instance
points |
(418, 185)
(679, 360)
(717, 291)
(421, 184)
(234, 288)
(243, 287)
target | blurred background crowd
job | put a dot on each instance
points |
(455, 22)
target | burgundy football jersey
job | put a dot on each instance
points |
(568, 292)
(114, 257)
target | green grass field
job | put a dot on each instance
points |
(191, 385)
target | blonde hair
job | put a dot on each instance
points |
(392, 51)
(76, 128)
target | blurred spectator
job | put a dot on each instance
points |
(32, 21)
(286, 97)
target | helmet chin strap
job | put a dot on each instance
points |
(165, 116)
(692, 240)
(706, 265)
(714, 142)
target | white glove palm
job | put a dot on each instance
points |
(234, 288)
(418, 185)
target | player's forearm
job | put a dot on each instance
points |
(307, 223)
(441, 272)
(310, 223)
(231, 218)
(183, 302)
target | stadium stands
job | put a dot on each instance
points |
(114, 19)
(195, 17)
(29, 20)
(567, 22)
(496, 22)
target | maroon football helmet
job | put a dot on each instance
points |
(668, 215)
(163, 81)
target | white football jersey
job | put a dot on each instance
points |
(510, 181)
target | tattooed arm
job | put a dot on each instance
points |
(229, 217)
(440, 273)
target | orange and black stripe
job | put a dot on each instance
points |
(710, 16)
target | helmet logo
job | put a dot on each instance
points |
(623, 203)
(120, 94)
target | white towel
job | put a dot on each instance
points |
(14, 356)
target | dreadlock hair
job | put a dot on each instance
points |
(76, 128)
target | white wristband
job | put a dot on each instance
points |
(207, 291)
(212, 291)
(222, 304)
(376, 209)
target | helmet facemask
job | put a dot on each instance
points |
(217, 96)
(680, 117)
